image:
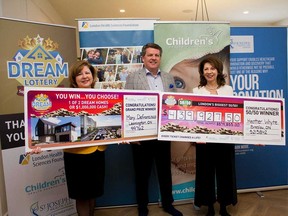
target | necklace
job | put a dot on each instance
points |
(209, 88)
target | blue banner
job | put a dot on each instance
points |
(258, 68)
(113, 38)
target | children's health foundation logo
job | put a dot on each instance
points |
(37, 63)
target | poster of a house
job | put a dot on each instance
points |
(74, 129)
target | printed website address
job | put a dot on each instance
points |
(184, 190)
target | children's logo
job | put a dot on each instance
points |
(41, 102)
(37, 63)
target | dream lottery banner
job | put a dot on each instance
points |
(259, 69)
(36, 184)
(184, 45)
(34, 55)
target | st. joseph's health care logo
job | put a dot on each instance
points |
(37, 63)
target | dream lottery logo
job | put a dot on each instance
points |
(41, 102)
(37, 63)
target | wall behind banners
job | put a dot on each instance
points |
(259, 69)
(32, 54)
(112, 37)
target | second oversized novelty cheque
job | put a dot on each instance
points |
(59, 118)
(222, 119)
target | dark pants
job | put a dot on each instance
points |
(144, 157)
(215, 162)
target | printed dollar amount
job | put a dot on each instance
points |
(204, 116)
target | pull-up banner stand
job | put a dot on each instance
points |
(259, 69)
(117, 44)
(38, 55)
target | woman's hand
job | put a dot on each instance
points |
(125, 142)
(36, 150)
(200, 143)
(258, 144)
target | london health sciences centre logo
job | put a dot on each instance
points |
(85, 25)
(37, 63)
(24, 159)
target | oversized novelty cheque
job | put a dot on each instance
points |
(221, 119)
(59, 118)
